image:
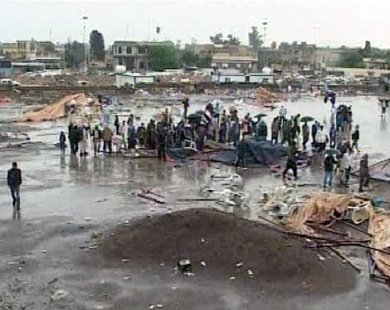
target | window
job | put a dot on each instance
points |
(128, 50)
(120, 62)
(141, 50)
(141, 65)
(119, 49)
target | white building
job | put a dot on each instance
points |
(261, 78)
(228, 76)
(132, 79)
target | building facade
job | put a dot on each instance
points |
(227, 56)
(135, 56)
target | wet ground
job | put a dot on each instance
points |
(66, 200)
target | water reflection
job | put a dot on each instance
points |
(383, 125)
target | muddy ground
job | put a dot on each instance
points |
(67, 202)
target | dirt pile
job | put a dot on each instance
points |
(221, 246)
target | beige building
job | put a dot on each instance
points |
(135, 56)
(328, 57)
(227, 56)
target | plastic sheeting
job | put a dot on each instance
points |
(260, 153)
(61, 108)
(381, 170)
(380, 229)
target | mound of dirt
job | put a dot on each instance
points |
(221, 241)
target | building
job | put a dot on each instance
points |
(135, 56)
(375, 63)
(132, 79)
(5, 67)
(328, 57)
(227, 56)
(228, 76)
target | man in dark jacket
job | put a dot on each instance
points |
(14, 180)
(62, 142)
(329, 163)
(355, 139)
(364, 173)
(291, 162)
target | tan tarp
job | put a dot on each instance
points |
(61, 108)
(379, 227)
(266, 97)
(320, 209)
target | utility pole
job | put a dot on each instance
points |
(85, 48)
(265, 25)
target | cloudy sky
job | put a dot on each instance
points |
(330, 23)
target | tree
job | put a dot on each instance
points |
(163, 57)
(74, 54)
(96, 43)
(255, 38)
(189, 58)
(217, 39)
(233, 40)
(352, 59)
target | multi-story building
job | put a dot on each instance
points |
(227, 56)
(328, 57)
(135, 56)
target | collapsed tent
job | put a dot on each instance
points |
(381, 170)
(256, 152)
(72, 104)
(264, 97)
(324, 207)
(379, 227)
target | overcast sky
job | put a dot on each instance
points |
(348, 22)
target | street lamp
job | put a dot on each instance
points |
(85, 49)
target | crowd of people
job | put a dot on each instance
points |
(300, 134)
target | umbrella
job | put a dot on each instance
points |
(333, 152)
(194, 116)
(260, 115)
(307, 119)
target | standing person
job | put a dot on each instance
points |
(84, 140)
(383, 106)
(364, 173)
(161, 141)
(282, 114)
(62, 142)
(77, 138)
(332, 136)
(131, 138)
(151, 135)
(322, 139)
(116, 124)
(107, 139)
(329, 162)
(201, 133)
(97, 138)
(130, 120)
(241, 150)
(291, 162)
(141, 132)
(305, 135)
(314, 130)
(71, 138)
(274, 130)
(217, 112)
(348, 165)
(355, 139)
(14, 180)
(123, 133)
(186, 104)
